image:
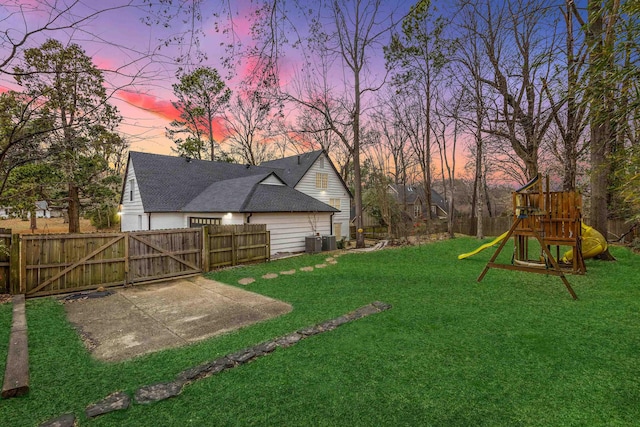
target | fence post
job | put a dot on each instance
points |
(14, 267)
(126, 259)
(268, 245)
(205, 249)
(234, 244)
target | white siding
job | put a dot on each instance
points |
(167, 220)
(288, 230)
(334, 190)
(132, 209)
(272, 180)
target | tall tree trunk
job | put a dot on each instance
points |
(74, 209)
(33, 220)
(600, 41)
(357, 176)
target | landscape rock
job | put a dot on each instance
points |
(321, 265)
(311, 330)
(66, 420)
(246, 281)
(288, 340)
(113, 402)
(365, 311)
(156, 392)
(306, 268)
(242, 356)
(270, 276)
(288, 272)
(382, 306)
(265, 348)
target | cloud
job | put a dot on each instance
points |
(151, 104)
(165, 110)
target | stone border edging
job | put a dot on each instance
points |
(160, 391)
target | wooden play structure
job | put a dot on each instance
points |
(553, 219)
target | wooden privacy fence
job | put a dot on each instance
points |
(236, 244)
(47, 264)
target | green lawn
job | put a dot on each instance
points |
(512, 350)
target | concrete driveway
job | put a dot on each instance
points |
(147, 318)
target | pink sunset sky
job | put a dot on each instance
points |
(116, 40)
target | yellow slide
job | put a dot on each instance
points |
(593, 244)
(485, 246)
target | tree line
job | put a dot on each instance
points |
(516, 88)
(395, 95)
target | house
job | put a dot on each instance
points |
(162, 192)
(412, 196)
(315, 175)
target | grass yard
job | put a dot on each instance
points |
(45, 226)
(514, 350)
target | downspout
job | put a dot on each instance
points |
(331, 223)
(149, 221)
(249, 217)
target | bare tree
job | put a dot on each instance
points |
(447, 128)
(247, 121)
(393, 150)
(348, 35)
(518, 40)
(18, 29)
(312, 131)
(417, 56)
(470, 65)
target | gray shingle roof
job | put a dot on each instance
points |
(291, 169)
(176, 184)
(280, 198)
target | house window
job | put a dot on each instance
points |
(131, 185)
(322, 180)
(417, 211)
(201, 222)
(335, 203)
(321, 162)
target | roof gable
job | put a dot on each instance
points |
(291, 169)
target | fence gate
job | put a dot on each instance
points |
(162, 254)
(47, 264)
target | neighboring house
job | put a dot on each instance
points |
(412, 196)
(42, 209)
(162, 192)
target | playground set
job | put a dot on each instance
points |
(553, 219)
